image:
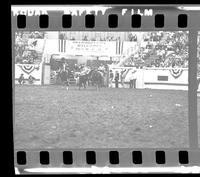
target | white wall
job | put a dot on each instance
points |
(46, 74)
(148, 78)
(151, 76)
(35, 71)
(51, 46)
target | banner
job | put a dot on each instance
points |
(89, 48)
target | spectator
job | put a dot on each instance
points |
(122, 78)
(18, 59)
(76, 68)
(111, 75)
(85, 38)
(116, 79)
(130, 36)
(135, 38)
(21, 79)
(31, 79)
(133, 79)
(65, 65)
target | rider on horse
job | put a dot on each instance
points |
(64, 75)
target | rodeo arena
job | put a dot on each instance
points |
(101, 89)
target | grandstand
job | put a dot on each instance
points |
(141, 46)
(158, 49)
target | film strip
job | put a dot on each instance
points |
(106, 89)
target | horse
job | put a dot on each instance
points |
(96, 78)
(92, 77)
(83, 78)
(82, 81)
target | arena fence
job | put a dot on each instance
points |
(153, 78)
(146, 78)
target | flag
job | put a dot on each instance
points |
(34, 43)
(119, 47)
(62, 45)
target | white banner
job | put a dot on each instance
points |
(96, 48)
(88, 48)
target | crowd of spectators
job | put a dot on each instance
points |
(157, 49)
(23, 52)
(132, 37)
(167, 49)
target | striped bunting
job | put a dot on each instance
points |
(119, 47)
(61, 45)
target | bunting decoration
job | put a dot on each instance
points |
(176, 72)
(27, 68)
(119, 47)
(62, 45)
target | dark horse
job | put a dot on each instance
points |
(83, 79)
(93, 77)
(96, 78)
(64, 76)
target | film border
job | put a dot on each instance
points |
(147, 24)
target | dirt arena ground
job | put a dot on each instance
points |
(52, 117)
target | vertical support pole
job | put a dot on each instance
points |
(192, 93)
(42, 73)
(107, 79)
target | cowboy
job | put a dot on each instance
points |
(132, 79)
(116, 79)
(76, 77)
(65, 79)
(111, 75)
